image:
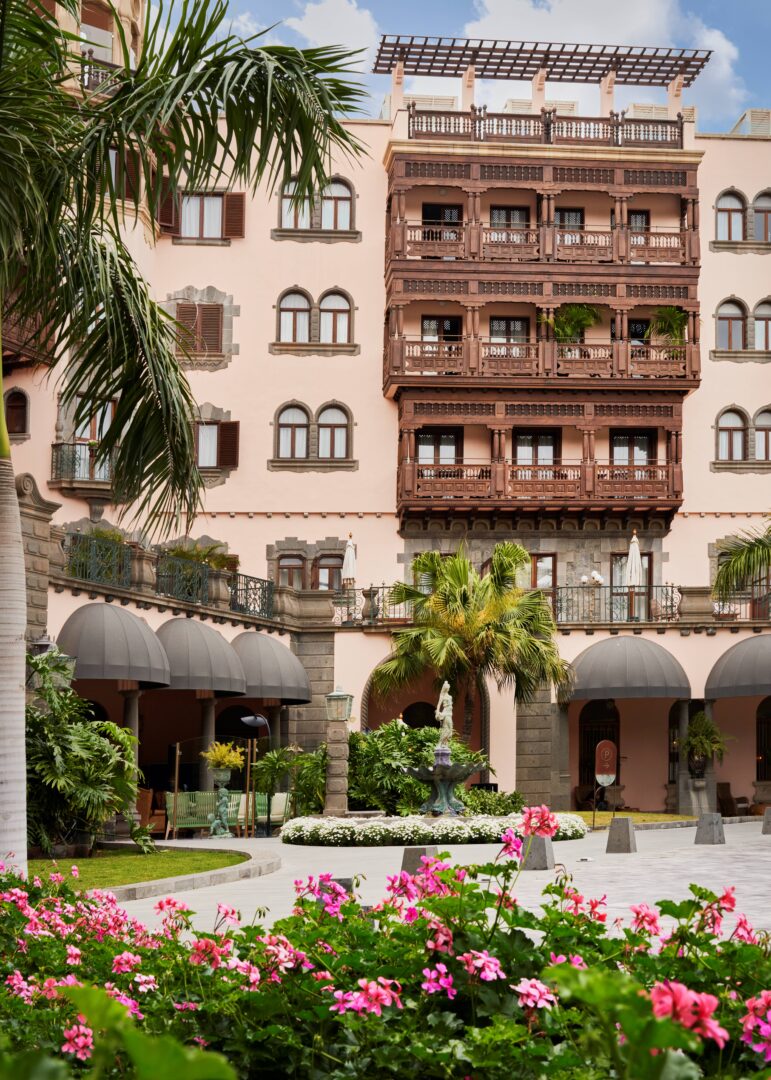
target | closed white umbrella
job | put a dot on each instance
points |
(633, 577)
(349, 563)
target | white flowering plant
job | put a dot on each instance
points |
(377, 832)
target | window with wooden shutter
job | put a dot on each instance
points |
(210, 328)
(130, 185)
(233, 215)
(187, 316)
(168, 208)
(229, 433)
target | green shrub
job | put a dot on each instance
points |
(498, 803)
(377, 760)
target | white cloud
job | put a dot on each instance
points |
(718, 92)
(339, 22)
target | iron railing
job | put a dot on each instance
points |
(369, 607)
(615, 604)
(78, 461)
(184, 579)
(251, 596)
(98, 559)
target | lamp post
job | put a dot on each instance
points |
(258, 721)
(338, 706)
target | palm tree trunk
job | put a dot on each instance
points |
(13, 624)
(468, 709)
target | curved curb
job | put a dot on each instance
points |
(250, 867)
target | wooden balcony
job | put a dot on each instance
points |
(545, 128)
(482, 242)
(474, 485)
(407, 359)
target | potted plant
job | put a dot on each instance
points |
(570, 322)
(704, 741)
(669, 324)
(222, 758)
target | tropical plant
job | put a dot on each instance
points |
(467, 626)
(744, 561)
(668, 323)
(224, 756)
(199, 107)
(271, 770)
(377, 761)
(570, 322)
(309, 782)
(80, 772)
(479, 801)
(704, 739)
(210, 554)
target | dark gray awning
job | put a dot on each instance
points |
(743, 671)
(272, 670)
(200, 658)
(109, 642)
(628, 667)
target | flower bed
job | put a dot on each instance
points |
(447, 977)
(376, 832)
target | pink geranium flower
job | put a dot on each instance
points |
(689, 1008)
(539, 821)
(533, 994)
(645, 920)
(438, 979)
(125, 962)
(512, 844)
(481, 963)
(73, 955)
(78, 1040)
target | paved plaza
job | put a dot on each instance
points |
(666, 862)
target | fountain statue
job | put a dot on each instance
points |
(443, 775)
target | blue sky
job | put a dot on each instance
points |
(736, 78)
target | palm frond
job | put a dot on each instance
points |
(744, 560)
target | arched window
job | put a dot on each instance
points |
(762, 316)
(329, 573)
(763, 435)
(335, 319)
(294, 317)
(291, 571)
(293, 433)
(762, 215)
(294, 215)
(333, 433)
(336, 202)
(731, 437)
(17, 412)
(730, 217)
(730, 325)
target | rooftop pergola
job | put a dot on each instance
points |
(633, 65)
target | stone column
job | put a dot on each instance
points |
(208, 734)
(542, 751)
(336, 797)
(131, 714)
(39, 546)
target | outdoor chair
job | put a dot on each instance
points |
(194, 808)
(257, 811)
(279, 810)
(730, 806)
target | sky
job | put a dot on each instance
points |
(738, 31)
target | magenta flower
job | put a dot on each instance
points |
(146, 983)
(480, 963)
(743, 931)
(228, 915)
(645, 920)
(728, 900)
(438, 979)
(533, 994)
(442, 940)
(74, 871)
(73, 955)
(125, 962)
(539, 821)
(78, 1040)
(575, 961)
(512, 844)
(689, 1008)
(185, 1006)
(343, 999)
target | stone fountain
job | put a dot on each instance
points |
(443, 775)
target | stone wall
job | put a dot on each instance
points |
(307, 724)
(542, 752)
(36, 514)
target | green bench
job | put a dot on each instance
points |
(194, 808)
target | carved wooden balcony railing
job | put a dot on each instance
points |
(488, 359)
(98, 74)
(502, 244)
(503, 483)
(547, 128)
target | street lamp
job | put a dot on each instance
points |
(339, 705)
(257, 721)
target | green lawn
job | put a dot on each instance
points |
(604, 816)
(106, 869)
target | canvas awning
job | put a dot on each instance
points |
(201, 659)
(743, 671)
(628, 667)
(109, 642)
(271, 669)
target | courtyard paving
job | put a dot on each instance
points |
(666, 862)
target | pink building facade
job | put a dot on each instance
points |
(379, 365)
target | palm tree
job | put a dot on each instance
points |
(570, 322)
(467, 626)
(745, 560)
(669, 323)
(200, 107)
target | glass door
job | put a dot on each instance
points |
(629, 604)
